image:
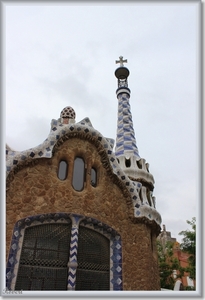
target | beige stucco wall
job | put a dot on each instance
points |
(36, 189)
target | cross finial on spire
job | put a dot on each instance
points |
(121, 61)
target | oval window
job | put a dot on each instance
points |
(78, 174)
(62, 170)
(93, 177)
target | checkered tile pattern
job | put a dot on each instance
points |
(125, 141)
(73, 252)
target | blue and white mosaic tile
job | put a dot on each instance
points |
(58, 130)
(114, 237)
(125, 132)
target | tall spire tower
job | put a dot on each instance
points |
(126, 143)
(126, 149)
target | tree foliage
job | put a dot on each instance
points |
(167, 264)
(189, 245)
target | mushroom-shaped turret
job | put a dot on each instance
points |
(67, 115)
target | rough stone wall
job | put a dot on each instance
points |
(36, 189)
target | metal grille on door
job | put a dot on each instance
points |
(93, 261)
(44, 258)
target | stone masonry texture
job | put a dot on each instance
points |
(36, 189)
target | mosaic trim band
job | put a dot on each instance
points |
(114, 237)
(57, 131)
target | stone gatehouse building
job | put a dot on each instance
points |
(80, 213)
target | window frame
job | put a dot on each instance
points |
(77, 220)
(60, 169)
(44, 258)
(94, 169)
(75, 175)
(87, 173)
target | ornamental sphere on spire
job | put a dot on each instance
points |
(121, 72)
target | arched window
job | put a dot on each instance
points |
(93, 271)
(44, 258)
(93, 177)
(62, 170)
(127, 162)
(60, 251)
(78, 174)
(148, 193)
(139, 163)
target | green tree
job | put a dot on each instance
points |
(188, 245)
(167, 264)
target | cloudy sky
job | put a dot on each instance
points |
(64, 54)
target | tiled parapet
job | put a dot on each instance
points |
(84, 130)
(136, 167)
(58, 130)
